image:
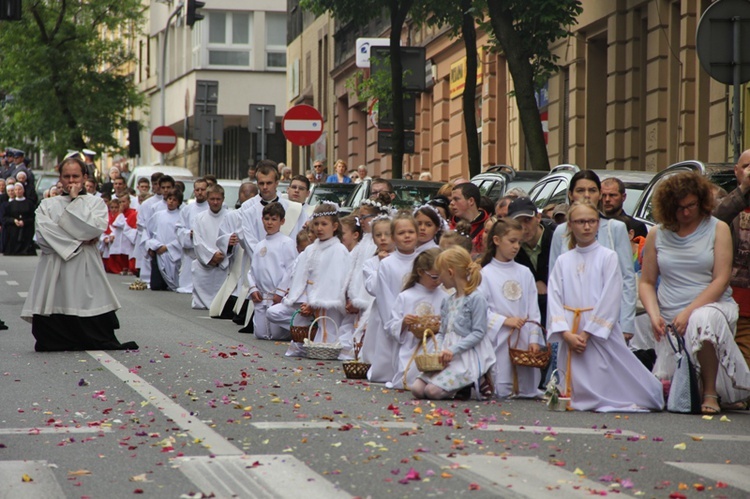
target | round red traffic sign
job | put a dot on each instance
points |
(163, 139)
(302, 125)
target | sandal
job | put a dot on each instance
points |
(742, 405)
(710, 409)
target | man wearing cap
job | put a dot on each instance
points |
(20, 166)
(536, 241)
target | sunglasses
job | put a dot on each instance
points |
(434, 277)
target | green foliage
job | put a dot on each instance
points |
(538, 24)
(63, 66)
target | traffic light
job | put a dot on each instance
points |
(192, 11)
(134, 139)
(10, 10)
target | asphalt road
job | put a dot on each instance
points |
(201, 409)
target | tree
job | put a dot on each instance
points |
(524, 30)
(360, 12)
(62, 66)
(459, 16)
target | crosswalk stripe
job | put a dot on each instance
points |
(725, 438)
(3, 272)
(12, 283)
(736, 475)
(23, 294)
(517, 476)
(541, 430)
(54, 430)
(257, 476)
(43, 486)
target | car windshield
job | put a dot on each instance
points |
(337, 193)
(413, 195)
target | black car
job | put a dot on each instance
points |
(720, 174)
(495, 181)
(409, 193)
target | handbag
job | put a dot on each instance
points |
(684, 393)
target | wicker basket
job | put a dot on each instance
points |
(425, 361)
(321, 351)
(426, 322)
(299, 333)
(527, 358)
(138, 285)
(354, 369)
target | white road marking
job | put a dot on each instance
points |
(209, 438)
(257, 476)
(725, 438)
(3, 272)
(12, 283)
(549, 430)
(23, 294)
(46, 430)
(735, 475)
(303, 425)
(517, 476)
(43, 486)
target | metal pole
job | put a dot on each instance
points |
(263, 133)
(736, 63)
(162, 83)
(213, 124)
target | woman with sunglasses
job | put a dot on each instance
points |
(690, 255)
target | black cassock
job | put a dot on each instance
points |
(19, 240)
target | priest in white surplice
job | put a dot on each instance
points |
(185, 234)
(163, 248)
(70, 304)
(210, 264)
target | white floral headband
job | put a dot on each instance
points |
(375, 204)
(330, 213)
(380, 218)
(443, 222)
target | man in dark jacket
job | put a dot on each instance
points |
(536, 241)
(734, 209)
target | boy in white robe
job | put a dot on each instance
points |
(65, 312)
(124, 232)
(273, 256)
(185, 234)
(145, 211)
(211, 263)
(162, 244)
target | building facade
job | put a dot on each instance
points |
(239, 45)
(631, 95)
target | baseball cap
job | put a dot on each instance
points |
(522, 207)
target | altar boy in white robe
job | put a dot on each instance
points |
(211, 263)
(188, 215)
(585, 292)
(272, 259)
(163, 248)
(66, 311)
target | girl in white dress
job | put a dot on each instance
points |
(390, 281)
(466, 350)
(585, 292)
(317, 286)
(369, 320)
(422, 296)
(430, 226)
(510, 289)
(351, 237)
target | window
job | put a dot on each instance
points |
(542, 192)
(276, 40)
(229, 39)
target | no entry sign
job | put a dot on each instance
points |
(302, 125)
(163, 139)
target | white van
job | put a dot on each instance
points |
(176, 172)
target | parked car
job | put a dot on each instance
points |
(495, 181)
(338, 193)
(409, 193)
(553, 188)
(177, 172)
(44, 180)
(721, 174)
